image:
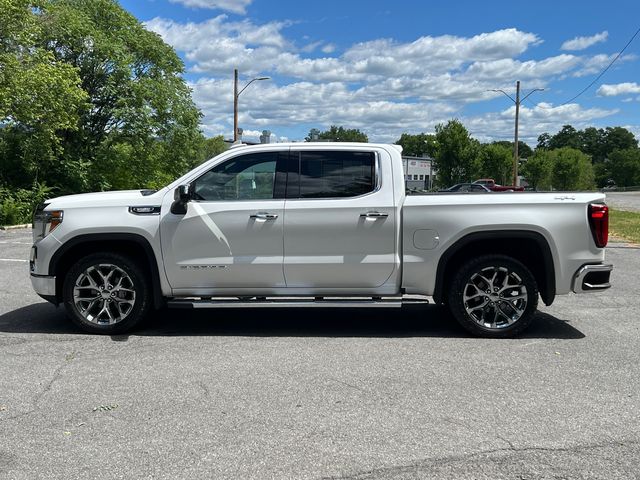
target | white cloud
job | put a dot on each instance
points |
(581, 43)
(454, 50)
(508, 68)
(329, 48)
(610, 90)
(311, 46)
(235, 6)
(266, 104)
(384, 87)
(635, 129)
(543, 117)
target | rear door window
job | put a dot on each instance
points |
(332, 174)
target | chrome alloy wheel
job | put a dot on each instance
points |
(495, 297)
(104, 294)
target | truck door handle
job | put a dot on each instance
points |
(374, 215)
(264, 216)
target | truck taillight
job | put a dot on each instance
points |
(599, 223)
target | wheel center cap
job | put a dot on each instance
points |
(105, 294)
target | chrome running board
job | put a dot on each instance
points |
(275, 302)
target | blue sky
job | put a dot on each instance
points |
(393, 67)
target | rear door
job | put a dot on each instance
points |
(340, 219)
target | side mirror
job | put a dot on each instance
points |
(181, 197)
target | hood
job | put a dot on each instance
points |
(102, 199)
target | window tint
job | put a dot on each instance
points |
(248, 177)
(336, 174)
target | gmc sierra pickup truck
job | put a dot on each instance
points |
(314, 224)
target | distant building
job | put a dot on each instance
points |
(418, 172)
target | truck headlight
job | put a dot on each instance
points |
(45, 222)
(53, 219)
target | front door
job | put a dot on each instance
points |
(232, 233)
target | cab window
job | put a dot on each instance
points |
(246, 177)
(333, 174)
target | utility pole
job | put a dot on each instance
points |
(236, 94)
(515, 143)
(235, 105)
(517, 102)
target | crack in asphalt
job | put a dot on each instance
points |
(416, 466)
(57, 374)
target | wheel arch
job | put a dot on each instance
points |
(525, 246)
(129, 244)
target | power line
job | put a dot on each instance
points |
(594, 80)
(605, 70)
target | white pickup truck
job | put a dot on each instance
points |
(315, 224)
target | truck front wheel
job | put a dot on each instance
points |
(493, 296)
(106, 293)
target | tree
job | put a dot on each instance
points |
(624, 167)
(130, 121)
(524, 150)
(417, 145)
(537, 170)
(211, 147)
(456, 155)
(571, 169)
(543, 141)
(338, 134)
(592, 143)
(566, 137)
(39, 96)
(496, 161)
(617, 138)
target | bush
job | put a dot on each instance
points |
(17, 206)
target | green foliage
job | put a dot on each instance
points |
(524, 150)
(566, 137)
(211, 147)
(571, 169)
(456, 158)
(417, 145)
(599, 145)
(17, 207)
(537, 170)
(90, 100)
(624, 167)
(338, 134)
(496, 161)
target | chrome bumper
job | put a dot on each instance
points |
(44, 285)
(592, 278)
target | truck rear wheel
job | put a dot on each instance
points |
(106, 293)
(493, 296)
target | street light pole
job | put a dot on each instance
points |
(515, 142)
(236, 94)
(235, 105)
(517, 102)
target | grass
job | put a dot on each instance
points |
(624, 225)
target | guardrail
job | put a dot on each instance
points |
(635, 188)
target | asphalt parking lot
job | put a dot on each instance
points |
(313, 394)
(624, 200)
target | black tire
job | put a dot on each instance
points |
(476, 302)
(107, 311)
